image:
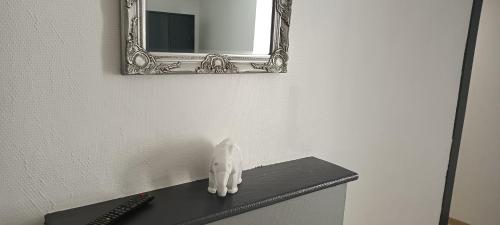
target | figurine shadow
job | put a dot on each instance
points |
(167, 165)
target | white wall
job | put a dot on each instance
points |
(372, 86)
(191, 7)
(476, 196)
(227, 26)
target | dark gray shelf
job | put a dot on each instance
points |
(190, 203)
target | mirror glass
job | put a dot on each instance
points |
(209, 26)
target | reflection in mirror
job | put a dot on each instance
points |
(209, 26)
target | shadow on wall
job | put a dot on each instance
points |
(32, 220)
(111, 46)
(166, 166)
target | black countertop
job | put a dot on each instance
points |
(190, 203)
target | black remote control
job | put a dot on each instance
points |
(123, 209)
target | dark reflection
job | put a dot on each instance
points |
(169, 32)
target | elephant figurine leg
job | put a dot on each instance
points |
(233, 183)
(211, 183)
(239, 177)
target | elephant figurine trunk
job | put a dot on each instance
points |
(225, 169)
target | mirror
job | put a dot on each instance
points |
(205, 36)
(209, 26)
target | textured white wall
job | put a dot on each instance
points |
(372, 86)
(476, 196)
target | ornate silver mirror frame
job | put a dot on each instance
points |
(136, 60)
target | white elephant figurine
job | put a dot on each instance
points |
(225, 168)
